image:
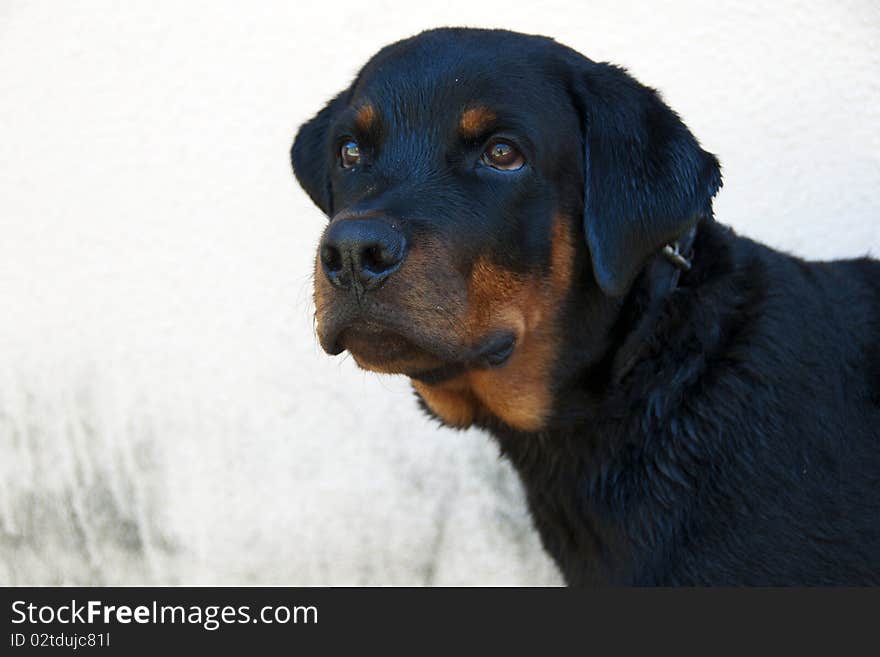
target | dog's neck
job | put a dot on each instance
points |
(657, 283)
(620, 335)
(591, 470)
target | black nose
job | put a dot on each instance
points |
(361, 252)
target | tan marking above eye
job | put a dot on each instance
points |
(475, 120)
(365, 117)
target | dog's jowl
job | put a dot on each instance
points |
(528, 235)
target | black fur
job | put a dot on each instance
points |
(743, 448)
(718, 426)
(647, 181)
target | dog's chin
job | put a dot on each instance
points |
(380, 350)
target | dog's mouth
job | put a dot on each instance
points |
(390, 351)
(380, 349)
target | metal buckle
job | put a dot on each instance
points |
(673, 255)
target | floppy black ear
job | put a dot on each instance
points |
(647, 179)
(312, 154)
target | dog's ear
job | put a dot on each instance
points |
(312, 154)
(647, 181)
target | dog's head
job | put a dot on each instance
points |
(484, 188)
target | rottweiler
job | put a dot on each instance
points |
(528, 235)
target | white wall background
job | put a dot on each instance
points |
(165, 413)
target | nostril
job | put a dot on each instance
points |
(331, 257)
(377, 259)
(360, 252)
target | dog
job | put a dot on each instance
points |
(528, 235)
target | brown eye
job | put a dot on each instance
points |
(350, 154)
(503, 155)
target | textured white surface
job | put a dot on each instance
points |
(165, 413)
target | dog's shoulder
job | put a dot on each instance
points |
(750, 425)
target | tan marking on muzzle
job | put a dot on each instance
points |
(520, 392)
(425, 290)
